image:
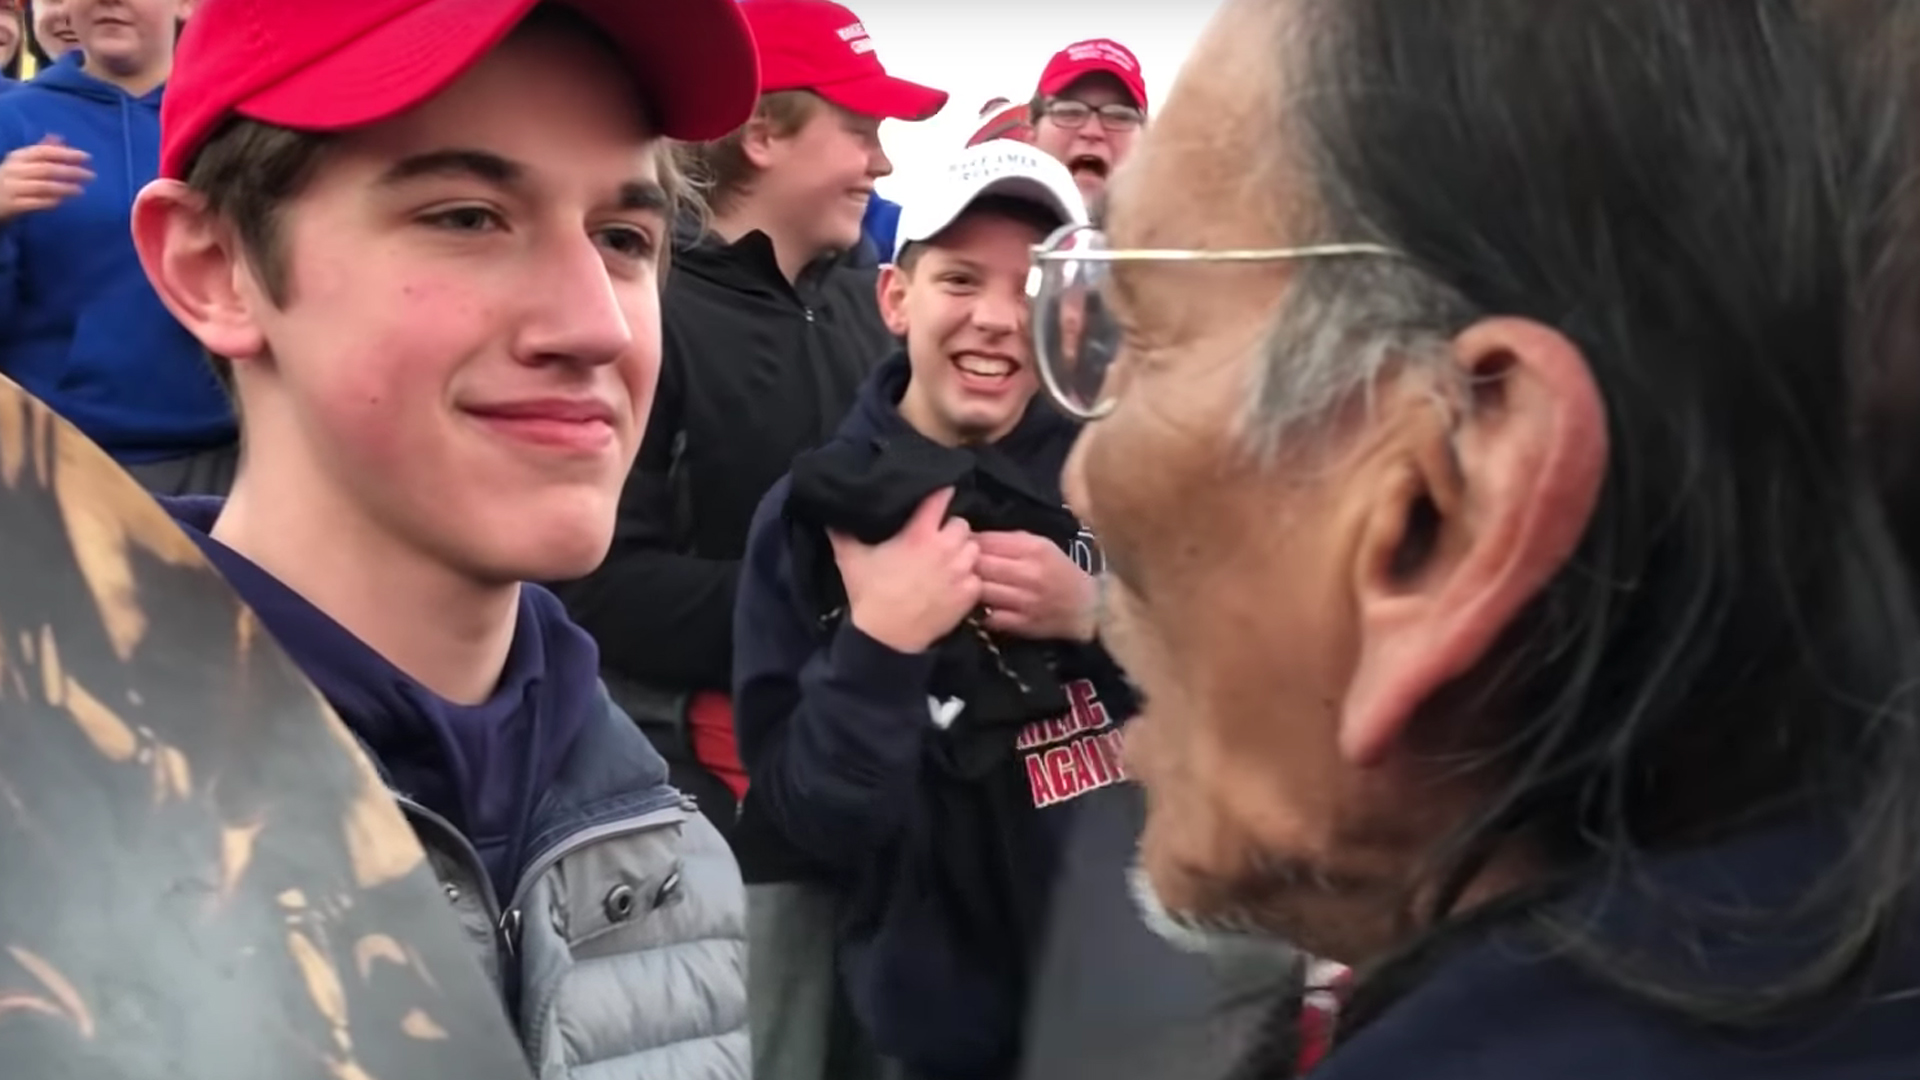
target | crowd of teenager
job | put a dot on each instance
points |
(1401, 564)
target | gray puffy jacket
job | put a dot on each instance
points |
(622, 953)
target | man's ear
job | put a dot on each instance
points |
(1482, 508)
(891, 290)
(196, 267)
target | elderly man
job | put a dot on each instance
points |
(1517, 617)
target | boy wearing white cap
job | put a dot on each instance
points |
(919, 699)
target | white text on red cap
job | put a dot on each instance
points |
(1100, 50)
(855, 35)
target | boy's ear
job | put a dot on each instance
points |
(892, 293)
(757, 142)
(196, 267)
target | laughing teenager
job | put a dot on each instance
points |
(920, 701)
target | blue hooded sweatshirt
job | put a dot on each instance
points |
(948, 881)
(481, 767)
(80, 327)
(880, 225)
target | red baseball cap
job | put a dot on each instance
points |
(1083, 58)
(331, 65)
(820, 46)
(1010, 122)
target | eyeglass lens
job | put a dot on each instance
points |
(1078, 338)
(1115, 117)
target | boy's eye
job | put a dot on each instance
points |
(629, 242)
(464, 219)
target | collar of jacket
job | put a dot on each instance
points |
(611, 773)
(749, 263)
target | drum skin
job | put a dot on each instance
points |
(201, 876)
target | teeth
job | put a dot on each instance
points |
(979, 365)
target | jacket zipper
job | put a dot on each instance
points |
(476, 866)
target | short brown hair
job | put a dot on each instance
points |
(246, 173)
(719, 168)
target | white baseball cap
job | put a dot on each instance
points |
(996, 167)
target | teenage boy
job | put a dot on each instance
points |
(79, 325)
(424, 240)
(770, 327)
(919, 697)
(1088, 109)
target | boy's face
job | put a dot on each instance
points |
(471, 334)
(962, 306)
(124, 34)
(821, 177)
(1089, 151)
(53, 28)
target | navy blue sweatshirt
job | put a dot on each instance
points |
(940, 940)
(482, 767)
(1496, 1005)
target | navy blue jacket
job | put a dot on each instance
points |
(939, 944)
(1500, 1007)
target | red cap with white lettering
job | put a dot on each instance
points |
(331, 65)
(1083, 58)
(820, 46)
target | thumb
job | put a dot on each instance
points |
(53, 139)
(932, 512)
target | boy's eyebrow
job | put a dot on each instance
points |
(474, 164)
(491, 168)
(644, 196)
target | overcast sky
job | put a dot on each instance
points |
(996, 48)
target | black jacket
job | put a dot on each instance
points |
(949, 866)
(753, 370)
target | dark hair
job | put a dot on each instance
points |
(1692, 193)
(247, 172)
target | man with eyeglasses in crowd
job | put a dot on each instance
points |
(1087, 110)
